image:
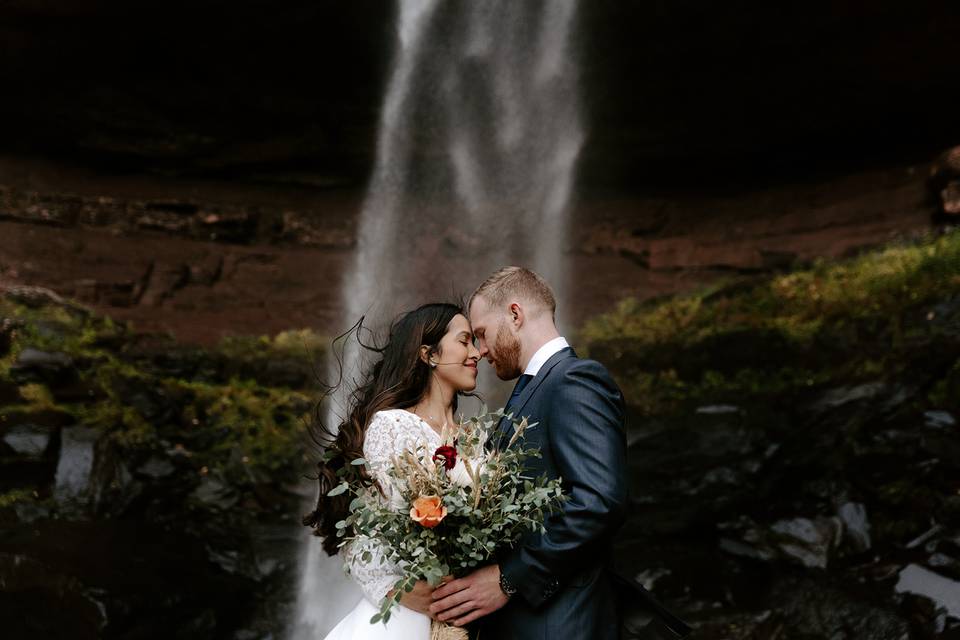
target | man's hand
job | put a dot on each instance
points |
(465, 599)
(419, 599)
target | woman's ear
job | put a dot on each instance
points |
(426, 356)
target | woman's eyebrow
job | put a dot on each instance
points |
(465, 334)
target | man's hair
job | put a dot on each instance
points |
(516, 283)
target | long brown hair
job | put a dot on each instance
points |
(397, 380)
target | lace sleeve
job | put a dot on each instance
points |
(388, 434)
(375, 574)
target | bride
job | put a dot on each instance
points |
(406, 399)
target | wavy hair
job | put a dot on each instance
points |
(398, 379)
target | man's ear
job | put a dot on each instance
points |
(517, 317)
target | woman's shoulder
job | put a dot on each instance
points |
(391, 430)
(393, 420)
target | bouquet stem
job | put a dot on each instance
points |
(443, 631)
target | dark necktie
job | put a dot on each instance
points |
(522, 382)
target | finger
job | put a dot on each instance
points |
(470, 617)
(458, 611)
(449, 588)
(439, 606)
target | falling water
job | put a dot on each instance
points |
(479, 135)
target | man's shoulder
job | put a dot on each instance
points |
(574, 369)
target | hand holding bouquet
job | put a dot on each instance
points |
(453, 517)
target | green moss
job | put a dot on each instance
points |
(225, 418)
(15, 496)
(847, 321)
(37, 396)
(264, 426)
(800, 303)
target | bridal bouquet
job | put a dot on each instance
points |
(453, 517)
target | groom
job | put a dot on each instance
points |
(556, 584)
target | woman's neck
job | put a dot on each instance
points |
(436, 406)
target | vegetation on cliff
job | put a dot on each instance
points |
(836, 322)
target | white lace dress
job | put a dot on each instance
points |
(391, 432)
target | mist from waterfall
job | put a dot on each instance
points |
(479, 135)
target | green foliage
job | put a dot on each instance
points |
(490, 503)
(15, 496)
(224, 424)
(264, 425)
(848, 320)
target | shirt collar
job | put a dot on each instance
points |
(543, 354)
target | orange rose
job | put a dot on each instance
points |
(428, 511)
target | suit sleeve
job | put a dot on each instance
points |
(587, 441)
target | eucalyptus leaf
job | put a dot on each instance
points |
(337, 490)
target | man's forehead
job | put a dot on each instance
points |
(478, 307)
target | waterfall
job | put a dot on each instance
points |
(479, 135)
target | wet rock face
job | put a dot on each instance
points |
(120, 510)
(824, 509)
(261, 90)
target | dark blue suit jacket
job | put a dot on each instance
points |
(564, 590)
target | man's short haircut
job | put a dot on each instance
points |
(516, 283)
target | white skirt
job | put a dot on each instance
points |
(404, 624)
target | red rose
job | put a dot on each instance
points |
(446, 455)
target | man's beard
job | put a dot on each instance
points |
(507, 351)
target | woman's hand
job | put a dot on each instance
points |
(419, 599)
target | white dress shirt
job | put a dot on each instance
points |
(543, 354)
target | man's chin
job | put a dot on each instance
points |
(507, 374)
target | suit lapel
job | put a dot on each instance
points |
(506, 427)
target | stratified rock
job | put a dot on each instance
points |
(33, 365)
(163, 281)
(34, 297)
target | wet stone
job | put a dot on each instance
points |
(215, 493)
(845, 395)
(28, 439)
(856, 525)
(75, 464)
(807, 541)
(939, 419)
(943, 591)
(156, 467)
(33, 365)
